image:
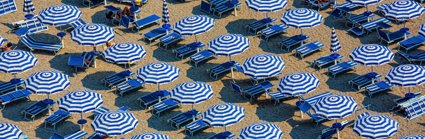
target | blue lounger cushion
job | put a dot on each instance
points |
(325, 60)
(259, 24)
(196, 126)
(147, 21)
(170, 38)
(154, 97)
(182, 118)
(129, 85)
(378, 87)
(36, 108)
(57, 117)
(412, 42)
(156, 33)
(188, 49)
(309, 48)
(222, 68)
(118, 77)
(14, 96)
(16, 83)
(272, 31)
(364, 80)
(341, 67)
(293, 40)
(165, 105)
(201, 56)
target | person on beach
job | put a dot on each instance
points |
(7, 47)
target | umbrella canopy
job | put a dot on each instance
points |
(266, 5)
(413, 137)
(28, 7)
(225, 114)
(261, 130)
(2, 40)
(194, 25)
(406, 75)
(16, 61)
(302, 18)
(9, 131)
(297, 84)
(59, 15)
(422, 30)
(192, 92)
(403, 10)
(364, 2)
(371, 55)
(47, 82)
(92, 34)
(263, 66)
(335, 46)
(158, 73)
(376, 126)
(165, 14)
(81, 101)
(124, 53)
(150, 135)
(114, 123)
(229, 44)
(335, 106)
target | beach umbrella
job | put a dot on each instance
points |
(114, 123)
(266, 6)
(364, 2)
(10, 131)
(158, 73)
(229, 44)
(261, 130)
(92, 34)
(194, 25)
(297, 84)
(407, 75)
(81, 101)
(17, 61)
(403, 10)
(192, 92)
(124, 53)
(59, 15)
(335, 106)
(413, 137)
(375, 126)
(2, 40)
(224, 114)
(150, 135)
(372, 55)
(422, 30)
(302, 18)
(335, 46)
(28, 7)
(165, 13)
(263, 66)
(47, 82)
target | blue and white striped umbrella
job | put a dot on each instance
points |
(16, 61)
(224, 114)
(2, 40)
(92, 34)
(422, 30)
(59, 15)
(28, 7)
(114, 123)
(364, 2)
(335, 46)
(371, 55)
(335, 106)
(261, 130)
(266, 5)
(47, 82)
(150, 135)
(406, 75)
(302, 18)
(124, 53)
(376, 126)
(413, 137)
(403, 10)
(192, 92)
(165, 14)
(297, 84)
(263, 66)
(229, 44)
(81, 101)
(10, 131)
(194, 25)
(158, 73)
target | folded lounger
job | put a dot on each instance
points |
(36, 109)
(369, 26)
(13, 84)
(414, 107)
(56, 117)
(76, 135)
(222, 68)
(152, 98)
(260, 24)
(411, 43)
(171, 38)
(188, 49)
(292, 41)
(128, 86)
(163, 106)
(14, 96)
(223, 135)
(277, 96)
(117, 78)
(183, 118)
(201, 56)
(196, 126)
(412, 58)
(253, 91)
(363, 80)
(392, 36)
(308, 48)
(341, 68)
(326, 60)
(378, 87)
(272, 31)
(155, 34)
(149, 20)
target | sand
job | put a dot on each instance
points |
(285, 115)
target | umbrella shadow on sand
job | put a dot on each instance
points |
(380, 97)
(130, 100)
(272, 45)
(280, 112)
(64, 128)
(342, 78)
(306, 125)
(160, 123)
(200, 73)
(164, 55)
(63, 58)
(238, 27)
(13, 110)
(92, 82)
(228, 95)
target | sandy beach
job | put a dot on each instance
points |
(286, 115)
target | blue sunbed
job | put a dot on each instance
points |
(201, 56)
(292, 41)
(370, 26)
(306, 107)
(411, 43)
(13, 84)
(170, 39)
(260, 24)
(165, 105)
(363, 80)
(412, 58)
(378, 87)
(253, 91)
(56, 117)
(118, 78)
(392, 36)
(154, 97)
(223, 135)
(76, 135)
(36, 109)
(359, 18)
(7, 6)
(277, 96)
(149, 20)
(188, 49)
(406, 97)
(272, 31)
(77, 23)
(226, 7)
(33, 44)
(341, 68)
(33, 25)
(414, 107)
(326, 60)
(14, 96)
(155, 34)
(196, 126)
(128, 86)
(308, 48)
(222, 68)
(183, 118)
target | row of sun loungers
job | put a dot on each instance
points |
(370, 26)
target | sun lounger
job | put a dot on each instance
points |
(221, 69)
(381, 8)
(56, 117)
(85, 60)
(363, 80)
(327, 133)
(253, 91)
(36, 109)
(338, 13)
(33, 44)
(102, 110)
(277, 96)
(93, 3)
(306, 108)
(76, 23)
(171, 38)
(223, 135)
(188, 49)
(165, 105)
(183, 118)
(149, 20)
(392, 36)
(308, 49)
(196, 126)
(7, 6)
(33, 25)
(272, 31)
(76, 135)
(326, 60)
(117, 78)
(412, 58)
(201, 56)
(347, 5)
(406, 97)
(411, 43)
(13, 84)
(155, 34)
(313, 99)
(292, 41)
(97, 136)
(206, 7)
(369, 26)
(378, 87)
(359, 18)
(341, 68)
(226, 7)
(413, 108)
(154, 97)
(320, 5)
(260, 24)
(14, 96)
(128, 86)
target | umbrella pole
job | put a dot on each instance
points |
(158, 86)
(50, 106)
(231, 69)
(196, 39)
